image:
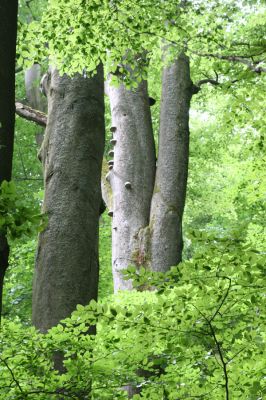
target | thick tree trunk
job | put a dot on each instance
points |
(8, 36)
(172, 168)
(131, 178)
(67, 258)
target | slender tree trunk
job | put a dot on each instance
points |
(35, 99)
(67, 258)
(4, 253)
(8, 36)
(32, 86)
(169, 194)
(132, 177)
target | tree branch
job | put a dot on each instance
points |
(197, 86)
(223, 299)
(207, 80)
(224, 363)
(18, 69)
(252, 65)
(4, 361)
(30, 114)
(218, 348)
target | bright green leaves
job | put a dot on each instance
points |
(77, 35)
(18, 289)
(16, 217)
(176, 343)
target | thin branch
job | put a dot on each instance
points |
(224, 363)
(223, 299)
(18, 69)
(219, 349)
(253, 66)
(22, 163)
(27, 179)
(235, 355)
(203, 81)
(12, 374)
(198, 85)
(28, 5)
(214, 82)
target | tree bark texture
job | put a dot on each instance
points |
(67, 267)
(30, 114)
(169, 194)
(131, 178)
(8, 37)
(148, 209)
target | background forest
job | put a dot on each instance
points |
(187, 326)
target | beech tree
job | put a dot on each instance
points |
(148, 199)
(201, 333)
(8, 36)
(148, 206)
(67, 265)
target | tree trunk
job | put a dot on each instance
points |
(8, 36)
(169, 194)
(35, 99)
(148, 211)
(32, 86)
(67, 267)
(131, 178)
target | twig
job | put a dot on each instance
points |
(27, 179)
(253, 66)
(22, 163)
(223, 299)
(235, 355)
(13, 376)
(218, 346)
(18, 69)
(224, 363)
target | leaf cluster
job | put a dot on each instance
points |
(199, 333)
(16, 217)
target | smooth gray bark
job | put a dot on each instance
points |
(131, 178)
(169, 195)
(67, 268)
(35, 99)
(32, 78)
(147, 212)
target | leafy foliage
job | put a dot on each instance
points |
(200, 335)
(17, 295)
(105, 258)
(16, 218)
(76, 36)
